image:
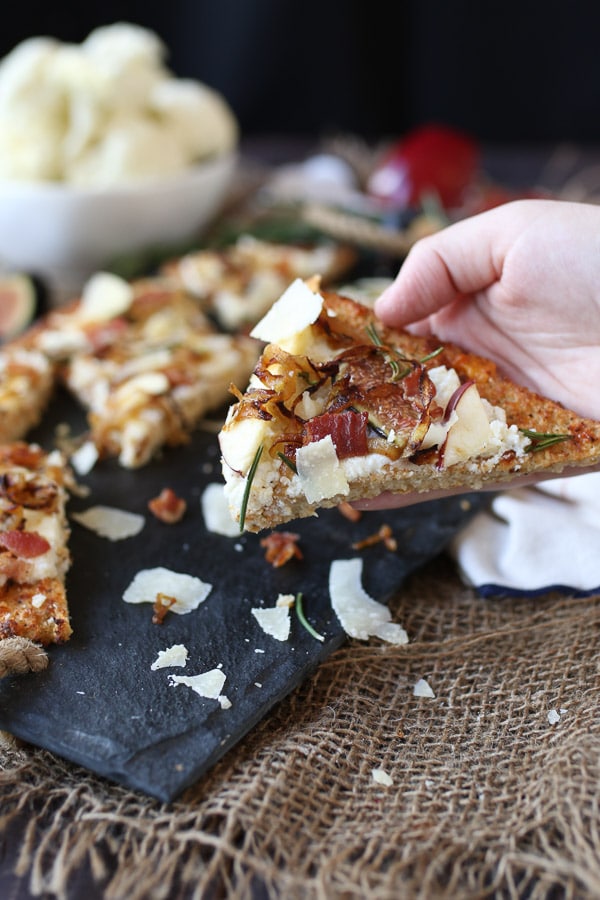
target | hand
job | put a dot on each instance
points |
(519, 284)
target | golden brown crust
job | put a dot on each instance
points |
(45, 624)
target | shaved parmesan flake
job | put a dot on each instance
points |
(380, 776)
(360, 616)
(109, 522)
(216, 513)
(319, 470)
(104, 297)
(423, 689)
(553, 716)
(176, 655)
(85, 458)
(224, 701)
(274, 621)
(207, 684)
(297, 308)
(189, 592)
(38, 600)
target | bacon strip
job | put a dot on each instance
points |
(24, 544)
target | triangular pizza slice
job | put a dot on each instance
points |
(341, 408)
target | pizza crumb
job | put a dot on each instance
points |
(281, 547)
(349, 512)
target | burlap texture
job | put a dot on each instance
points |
(489, 798)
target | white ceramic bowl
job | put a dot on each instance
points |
(65, 233)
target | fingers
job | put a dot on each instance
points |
(462, 259)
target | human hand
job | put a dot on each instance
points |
(519, 284)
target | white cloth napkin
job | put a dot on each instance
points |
(535, 540)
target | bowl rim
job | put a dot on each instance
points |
(195, 171)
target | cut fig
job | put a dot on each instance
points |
(19, 304)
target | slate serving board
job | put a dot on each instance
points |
(100, 705)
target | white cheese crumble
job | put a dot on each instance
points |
(187, 590)
(177, 655)
(274, 621)
(360, 616)
(380, 776)
(297, 308)
(553, 716)
(423, 689)
(216, 513)
(38, 600)
(206, 684)
(109, 522)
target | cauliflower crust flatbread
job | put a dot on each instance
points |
(34, 554)
(342, 408)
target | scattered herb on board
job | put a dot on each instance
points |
(303, 620)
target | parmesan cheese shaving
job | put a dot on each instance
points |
(109, 522)
(274, 621)
(206, 684)
(216, 512)
(360, 616)
(104, 297)
(187, 590)
(380, 776)
(297, 308)
(319, 470)
(176, 655)
(423, 689)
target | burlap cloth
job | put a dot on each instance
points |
(490, 797)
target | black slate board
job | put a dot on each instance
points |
(99, 704)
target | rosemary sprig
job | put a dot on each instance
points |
(542, 440)
(288, 462)
(302, 618)
(396, 373)
(248, 486)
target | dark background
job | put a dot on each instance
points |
(506, 71)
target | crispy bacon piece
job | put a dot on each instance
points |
(168, 507)
(24, 544)
(348, 430)
(281, 546)
(384, 535)
(349, 512)
(161, 607)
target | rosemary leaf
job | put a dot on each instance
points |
(303, 620)
(542, 440)
(248, 486)
(432, 355)
(289, 463)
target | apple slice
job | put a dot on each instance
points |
(470, 435)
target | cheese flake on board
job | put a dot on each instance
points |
(176, 655)
(187, 590)
(274, 621)
(216, 513)
(110, 522)
(206, 684)
(360, 616)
